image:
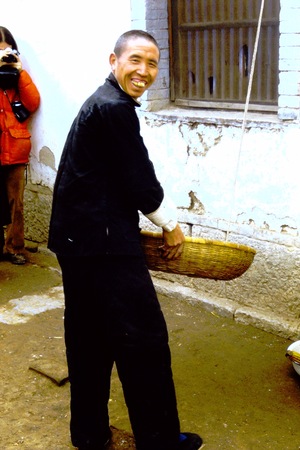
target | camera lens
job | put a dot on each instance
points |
(9, 59)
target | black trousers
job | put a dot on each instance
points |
(112, 315)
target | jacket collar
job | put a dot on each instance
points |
(112, 79)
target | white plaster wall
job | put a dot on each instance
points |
(249, 192)
(252, 178)
(65, 45)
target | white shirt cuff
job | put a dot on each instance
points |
(165, 216)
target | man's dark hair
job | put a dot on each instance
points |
(129, 35)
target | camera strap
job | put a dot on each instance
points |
(21, 113)
(5, 93)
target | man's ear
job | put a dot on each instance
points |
(112, 61)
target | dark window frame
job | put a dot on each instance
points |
(195, 86)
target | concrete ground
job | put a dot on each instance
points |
(235, 386)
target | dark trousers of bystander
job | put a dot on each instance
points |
(14, 179)
(4, 208)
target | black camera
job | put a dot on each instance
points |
(10, 58)
(9, 77)
(20, 111)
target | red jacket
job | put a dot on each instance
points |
(15, 143)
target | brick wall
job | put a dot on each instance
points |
(152, 16)
(289, 60)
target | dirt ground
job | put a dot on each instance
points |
(235, 386)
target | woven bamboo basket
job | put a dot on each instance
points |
(201, 258)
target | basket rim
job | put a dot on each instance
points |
(198, 240)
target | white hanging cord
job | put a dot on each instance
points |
(246, 109)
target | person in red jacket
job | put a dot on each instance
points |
(15, 143)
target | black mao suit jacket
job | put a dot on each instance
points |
(104, 178)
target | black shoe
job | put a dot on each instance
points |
(17, 258)
(190, 441)
(88, 447)
(95, 447)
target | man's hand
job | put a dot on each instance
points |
(173, 243)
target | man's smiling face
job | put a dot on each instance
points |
(137, 66)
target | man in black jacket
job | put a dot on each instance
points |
(112, 314)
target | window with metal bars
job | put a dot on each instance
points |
(212, 44)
